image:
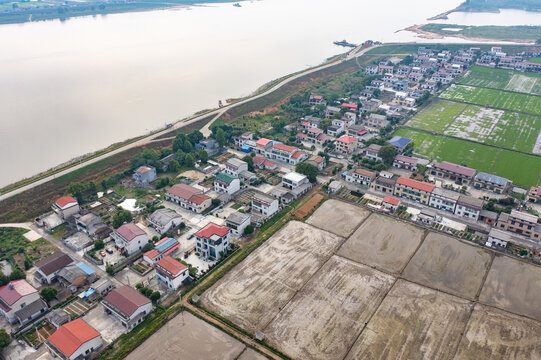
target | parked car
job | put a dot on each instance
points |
(102, 253)
(108, 251)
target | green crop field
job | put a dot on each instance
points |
(524, 170)
(486, 77)
(494, 98)
(437, 116)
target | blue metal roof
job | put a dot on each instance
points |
(399, 141)
(165, 245)
(87, 269)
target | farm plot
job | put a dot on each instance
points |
(521, 83)
(382, 242)
(524, 170)
(413, 322)
(425, 143)
(338, 217)
(324, 319)
(475, 123)
(444, 263)
(514, 286)
(474, 155)
(253, 293)
(437, 116)
(497, 335)
(516, 131)
(486, 77)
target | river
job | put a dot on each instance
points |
(72, 87)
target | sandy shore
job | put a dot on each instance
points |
(418, 29)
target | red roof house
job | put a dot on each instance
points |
(74, 339)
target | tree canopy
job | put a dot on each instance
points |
(307, 169)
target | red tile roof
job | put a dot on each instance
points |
(457, 169)
(391, 200)
(64, 201)
(350, 106)
(316, 158)
(365, 172)
(419, 185)
(184, 191)
(263, 142)
(69, 337)
(130, 231)
(317, 97)
(302, 136)
(126, 299)
(346, 139)
(258, 160)
(152, 254)
(199, 198)
(171, 265)
(18, 289)
(212, 229)
(406, 159)
(297, 154)
(269, 163)
(305, 123)
(284, 147)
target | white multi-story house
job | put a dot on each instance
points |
(66, 206)
(212, 241)
(235, 166)
(373, 152)
(74, 340)
(144, 175)
(293, 180)
(20, 302)
(444, 199)
(285, 153)
(163, 220)
(126, 305)
(346, 144)
(188, 197)
(405, 162)
(360, 176)
(469, 207)
(225, 183)
(264, 205)
(129, 238)
(171, 272)
(237, 222)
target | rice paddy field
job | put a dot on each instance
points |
(494, 98)
(524, 170)
(437, 116)
(502, 79)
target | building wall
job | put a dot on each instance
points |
(66, 213)
(266, 211)
(133, 246)
(467, 212)
(443, 204)
(239, 231)
(18, 305)
(173, 283)
(89, 346)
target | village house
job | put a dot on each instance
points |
(74, 340)
(144, 175)
(520, 223)
(48, 268)
(500, 238)
(413, 189)
(20, 302)
(171, 272)
(360, 176)
(235, 166)
(210, 145)
(444, 199)
(313, 134)
(468, 207)
(371, 69)
(58, 317)
(310, 122)
(66, 206)
(426, 216)
(317, 161)
(75, 276)
(92, 225)
(488, 217)
(188, 197)
(399, 143)
(350, 107)
(349, 118)
(300, 137)
(262, 163)
(346, 144)
(264, 205)
(129, 238)
(244, 139)
(126, 305)
(494, 183)
(386, 69)
(384, 183)
(376, 121)
(330, 111)
(212, 241)
(237, 222)
(225, 183)
(163, 220)
(162, 248)
(316, 100)
(534, 195)
(373, 152)
(285, 153)
(405, 162)
(457, 173)
(293, 180)
(390, 203)
(357, 131)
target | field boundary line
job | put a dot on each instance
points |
(502, 90)
(488, 106)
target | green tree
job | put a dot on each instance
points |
(181, 155)
(173, 166)
(221, 137)
(203, 156)
(248, 230)
(77, 189)
(189, 161)
(121, 217)
(187, 147)
(5, 339)
(109, 269)
(388, 153)
(99, 244)
(178, 142)
(307, 169)
(155, 296)
(250, 161)
(215, 202)
(48, 293)
(195, 136)
(147, 247)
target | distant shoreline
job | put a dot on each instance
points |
(428, 34)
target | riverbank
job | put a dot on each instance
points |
(64, 11)
(489, 6)
(475, 33)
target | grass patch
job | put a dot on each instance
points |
(437, 115)
(12, 241)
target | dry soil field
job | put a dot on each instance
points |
(385, 292)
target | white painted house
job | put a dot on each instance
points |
(126, 305)
(130, 238)
(225, 183)
(74, 340)
(212, 241)
(293, 180)
(171, 272)
(237, 222)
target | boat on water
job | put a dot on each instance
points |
(344, 43)
(237, 5)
